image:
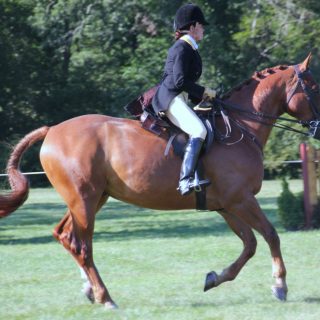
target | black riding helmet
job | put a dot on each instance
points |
(187, 15)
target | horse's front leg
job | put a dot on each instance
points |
(249, 211)
(244, 232)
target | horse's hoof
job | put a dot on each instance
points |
(87, 290)
(110, 305)
(279, 293)
(211, 281)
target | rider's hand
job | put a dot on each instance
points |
(209, 94)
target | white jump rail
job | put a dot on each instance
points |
(25, 173)
(42, 172)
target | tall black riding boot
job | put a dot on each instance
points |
(189, 163)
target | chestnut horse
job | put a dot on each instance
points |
(90, 158)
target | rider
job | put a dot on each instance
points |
(182, 69)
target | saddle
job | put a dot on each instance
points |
(141, 109)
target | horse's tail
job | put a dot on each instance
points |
(18, 182)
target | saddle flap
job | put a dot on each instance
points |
(151, 123)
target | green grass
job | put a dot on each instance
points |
(154, 264)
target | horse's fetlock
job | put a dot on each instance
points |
(100, 295)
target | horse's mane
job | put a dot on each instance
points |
(258, 76)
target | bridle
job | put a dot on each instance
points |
(314, 125)
(308, 92)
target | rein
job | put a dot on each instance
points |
(255, 115)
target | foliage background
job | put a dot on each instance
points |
(60, 59)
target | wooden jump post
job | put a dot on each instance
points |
(309, 171)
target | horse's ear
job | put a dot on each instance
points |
(306, 62)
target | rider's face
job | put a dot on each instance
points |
(197, 31)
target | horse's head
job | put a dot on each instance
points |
(303, 97)
(273, 91)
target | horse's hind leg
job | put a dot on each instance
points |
(250, 212)
(63, 233)
(244, 232)
(63, 230)
(75, 232)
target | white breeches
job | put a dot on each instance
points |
(181, 115)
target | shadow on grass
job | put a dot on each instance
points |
(187, 228)
(312, 300)
(118, 221)
(25, 241)
(35, 214)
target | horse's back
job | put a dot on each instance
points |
(86, 124)
(88, 131)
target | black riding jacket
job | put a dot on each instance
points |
(182, 69)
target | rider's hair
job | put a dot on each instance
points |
(179, 33)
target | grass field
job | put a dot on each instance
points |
(154, 264)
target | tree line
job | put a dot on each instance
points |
(64, 58)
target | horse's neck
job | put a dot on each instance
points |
(266, 96)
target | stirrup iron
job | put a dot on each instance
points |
(197, 185)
